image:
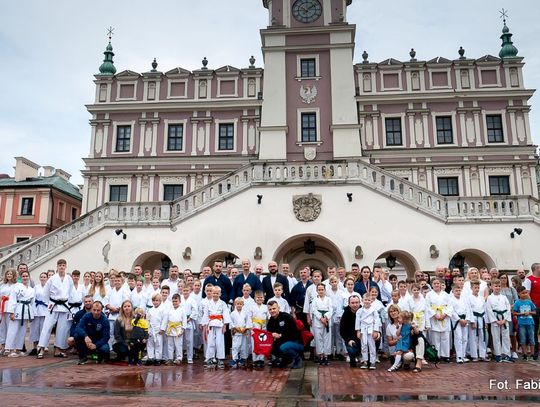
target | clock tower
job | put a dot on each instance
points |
(309, 109)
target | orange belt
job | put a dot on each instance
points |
(214, 317)
(4, 299)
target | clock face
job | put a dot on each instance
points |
(307, 11)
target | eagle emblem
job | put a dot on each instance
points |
(308, 93)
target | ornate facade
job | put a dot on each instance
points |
(440, 149)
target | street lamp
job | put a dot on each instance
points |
(390, 261)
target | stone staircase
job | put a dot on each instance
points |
(359, 173)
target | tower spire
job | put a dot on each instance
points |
(107, 68)
(508, 50)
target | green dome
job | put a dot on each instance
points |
(508, 50)
(107, 67)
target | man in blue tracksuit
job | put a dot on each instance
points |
(93, 334)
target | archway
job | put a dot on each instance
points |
(154, 261)
(474, 258)
(228, 258)
(406, 264)
(311, 250)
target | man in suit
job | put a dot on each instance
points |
(274, 277)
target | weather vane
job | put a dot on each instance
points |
(110, 32)
(504, 15)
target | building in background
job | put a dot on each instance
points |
(32, 205)
(314, 160)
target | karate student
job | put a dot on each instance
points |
(240, 334)
(282, 302)
(174, 323)
(258, 317)
(478, 335)
(41, 310)
(368, 330)
(321, 315)
(440, 310)
(57, 292)
(21, 311)
(115, 297)
(154, 317)
(461, 317)
(191, 310)
(498, 314)
(215, 319)
(10, 279)
(335, 293)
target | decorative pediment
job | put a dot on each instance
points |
(391, 61)
(127, 75)
(178, 72)
(488, 58)
(227, 69)
(439, 60)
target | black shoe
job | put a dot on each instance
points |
(83, 361)
(149, 362)
(33, 352)
(156, 362)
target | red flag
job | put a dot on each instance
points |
(262, 342)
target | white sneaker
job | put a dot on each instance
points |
(190, 361)
(515, 355)
(13, 355)
(424, 362)
(348, 359)
(466, 360)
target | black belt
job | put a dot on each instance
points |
(77, 305)
(462, 316)
(59, 302)
(25, 306)
(481, 315)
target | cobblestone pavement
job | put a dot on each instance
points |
(27, 381)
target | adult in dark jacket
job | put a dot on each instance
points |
(221, 280)
(298, 295)
(347, 331)
(274, 277)
(93, 334)
(246, 277)
(123, 345)
(365, 283)
(287, 344)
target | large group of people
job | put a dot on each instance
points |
(360, 316)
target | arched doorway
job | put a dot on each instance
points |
(311, 250)
(228, 258)
(154, 261)
(405, 263)
(473, 258)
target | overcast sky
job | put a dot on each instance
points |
(50, 51)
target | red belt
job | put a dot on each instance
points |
(4, 299)
(214, 317)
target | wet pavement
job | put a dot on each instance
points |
(27, 381)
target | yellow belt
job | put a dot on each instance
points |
(419, 318)
(258, 321)
(441, 309)
(173, 326)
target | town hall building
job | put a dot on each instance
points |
(314, 160)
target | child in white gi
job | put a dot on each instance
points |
(478, 335)
(21, 311)
(282, 302)
(189, 305)
(258, 316)
(215, 319)
(174, 323)
(240, 334)
(246, 296)
(335, 293)
(41, 306)
(321, 315)
(154, 317)
(498, 314)
(203, 305)
(437, 302)
(368, 330)
(461, 317)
